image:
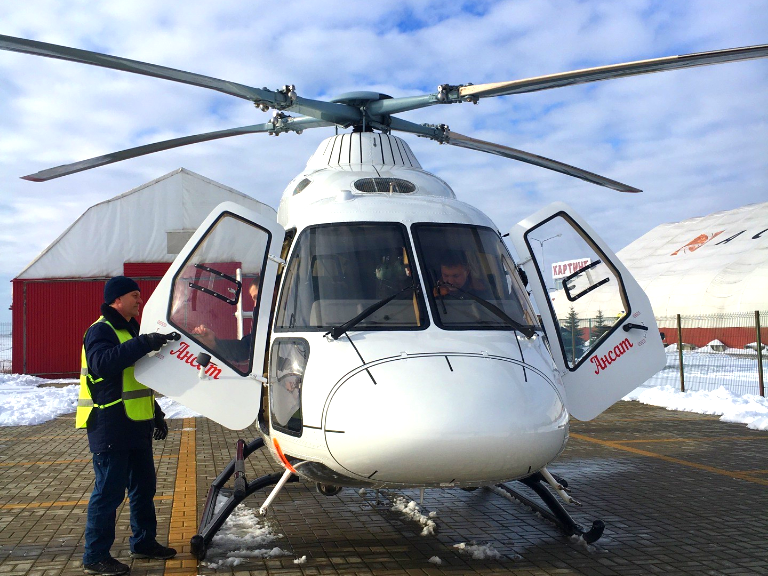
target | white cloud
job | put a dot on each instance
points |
(695, 140)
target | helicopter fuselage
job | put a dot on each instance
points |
(388, 406)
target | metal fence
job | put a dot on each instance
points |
(726, 350)
(5, 347)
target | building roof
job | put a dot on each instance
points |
(146, 224)
(706, 265)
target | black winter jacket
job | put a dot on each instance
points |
(110, 428)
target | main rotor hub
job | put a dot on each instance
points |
(360, 98)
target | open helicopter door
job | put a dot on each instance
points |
(599, 322)
(230, 263)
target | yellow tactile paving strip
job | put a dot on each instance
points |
(748, 476)
(184, 510)
(61, 503)
(54, 462)
(694, 439)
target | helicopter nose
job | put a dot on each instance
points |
(444, 420)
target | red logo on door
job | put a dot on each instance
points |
(182, 353)
(602, 362)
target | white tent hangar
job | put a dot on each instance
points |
(150, 223)
(712, 264)
(137, 234)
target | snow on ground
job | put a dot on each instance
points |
(244, 535)
(736, 369)
(477, 551)
(173, 409)
(412, 511)
(27, 400)
(23, 402)
(748, 409)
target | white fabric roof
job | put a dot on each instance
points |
(707, 265)
(133, 226)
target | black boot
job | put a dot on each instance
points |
(108, 567)
(153, 550)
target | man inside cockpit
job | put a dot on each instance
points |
(456, 278)
(233, 350)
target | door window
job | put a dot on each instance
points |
(219, 281)
(288, 361)
(585, 292)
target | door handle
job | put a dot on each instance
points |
(629, 326)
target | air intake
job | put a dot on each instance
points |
(384, 185)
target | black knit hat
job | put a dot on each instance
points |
(118, 286)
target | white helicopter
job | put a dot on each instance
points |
(375, 291)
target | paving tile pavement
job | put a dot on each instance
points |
(680, 493)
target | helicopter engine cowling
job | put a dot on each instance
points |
(405, 421)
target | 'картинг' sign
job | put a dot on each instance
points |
(563, 269)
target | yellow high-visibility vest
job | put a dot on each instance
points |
(138, 400)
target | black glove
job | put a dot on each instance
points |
(154, 340)
(161, 427)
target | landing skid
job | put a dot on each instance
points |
(554, 510)
(212, 520)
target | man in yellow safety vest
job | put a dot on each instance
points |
(122, 417)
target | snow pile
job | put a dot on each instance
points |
(173, 409)
(748, 409)
(244, 535)
(412, 510)
(24, 402)
(478, 552)
(673, 347)
(735, 368)
(713, 347)
(578, 539)
(28, 400)
(750, 352)
(302, 560)
(435, 560)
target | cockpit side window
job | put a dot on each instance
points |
(469, 272)
(339, 270)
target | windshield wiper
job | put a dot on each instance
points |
(337, 331)
(528, 330)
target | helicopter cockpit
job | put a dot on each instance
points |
(337, 271)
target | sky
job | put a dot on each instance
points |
(696, 141)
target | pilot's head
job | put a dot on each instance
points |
(454, 269)
(253, 289)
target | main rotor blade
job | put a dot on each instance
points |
(614, 71)
(456, 139)
(292, 124)
(117, 63)
(443, 135)
(331, 112)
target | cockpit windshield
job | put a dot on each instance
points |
(338, 271)
(468, 272)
